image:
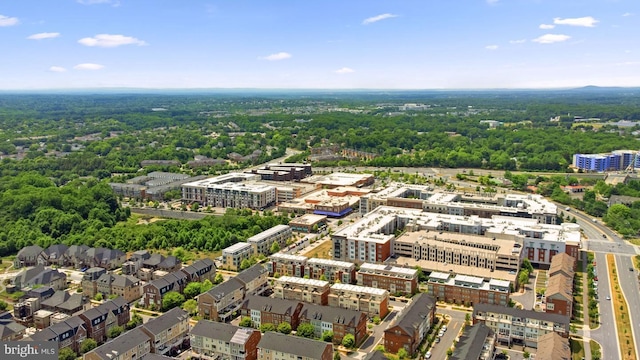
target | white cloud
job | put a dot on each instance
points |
(108, 40)
(377, 18)
(276, 56)
(344, 70)
(88, 66)
(44, 35)
(8, 21)
(586, 21)
(491, 47)
(551, 38)
(627, 14)
(546, 26)
(519, 41)
(58, 69)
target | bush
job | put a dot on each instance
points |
(349, 341)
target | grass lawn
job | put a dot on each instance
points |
(635, 241)
(623, 324)
(7, 262)
(596, 351)
(577, 349)
(321, 251)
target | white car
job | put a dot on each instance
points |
(427, 355)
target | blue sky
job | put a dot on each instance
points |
(382, 44)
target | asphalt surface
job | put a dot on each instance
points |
(439, 350)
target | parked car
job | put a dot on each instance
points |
(428, 355)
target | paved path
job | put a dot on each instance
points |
(585, 307)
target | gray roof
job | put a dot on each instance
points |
(169, 262)
(153, 260)
(529, 314)
(219, 331)
(296, 345)
(251, 273)
(419, 308)
(56, 299)
(225, 288)
(153, 356)
(272, 305)
(29, 251)
(166, 320)
(45, 334)
(376, 355)
(53, 331)
(117, 280)
(56, 251)
(8, 327)
(331, 314)
(39, 275)
(122, 344)
(471, 342)
(44, 292)
(77, 250)
(199, 265)
(74, 302)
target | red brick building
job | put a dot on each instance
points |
(391, 278)
(411, 325)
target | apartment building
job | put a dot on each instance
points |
(234, 255)
(308, 222)
(307, 290)
(460, 249)
(261, 243)
(282, 264)
(197, 191)
(167, 330)
(518, 326)
(391, 278)
(276, 346)
(372, 301)
(613, 161)
(478, 342)
(468, 290)
(411, 325)
(214, 339)
(331, 270)
(135, 344)
(229, 194)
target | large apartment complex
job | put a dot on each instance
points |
(468, 290)
(231, 190)
(613, 161)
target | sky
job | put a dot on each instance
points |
(318, 44)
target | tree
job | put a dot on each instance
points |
(275, 247)
(87, 345)
(305, 330)
(267, 327)
(349, 341)
(526, 355)
(217, 280)
(192, 290)
(66, 354)
(172, 299)
(3, 305)
(195, 206)
(136, 320)
(245, 264)
(246, 322)
(467, 318)
(114, 332)
(284, 328)
(376, 320)
(402, 353)
(336, 356)
(327, 336)
(190, 306)
(98, 297)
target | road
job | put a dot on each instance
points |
(439, 350)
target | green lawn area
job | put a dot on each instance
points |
(596, 352)
(577, 349)
(541, 283)
(621, 313)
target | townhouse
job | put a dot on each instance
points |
(264, 310)
(200, 270)
(9, 329)
(331, 270)
(40, 276)
(307, 290)
(215, 339)
(167, 331)
(372, 301)
(27, 256)
(281, 264)
(559, 291)
(100, 319)
(53, 255)
(276, 346)
(340, 321)
(154, 291)
(127, 286)
(69, 333)
(234, 255)
(553, 346)
(396, 280)
(478, 342)
(518, 326)
(89, 281)
(221, 301)
(411, 325)
(261, 243)
(468, 290)
(135, 344)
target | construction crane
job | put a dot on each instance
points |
(630, 169)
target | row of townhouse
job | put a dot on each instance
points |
(97, 280)
(154, 291)
(259, 244)
(468, 290)
(220, 340)
(281, 264)
(411, 325)
(223, 300)
(93, 323)
(559, 289)
(264, 310)
(372, 301)
(161, 336)
(518, 326)
(146, 266)
(78, 256)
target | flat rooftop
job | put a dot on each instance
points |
(308, 219)
(301, 281)
(462, 242)
(359, 289)
(456, 269)
(338, 179)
